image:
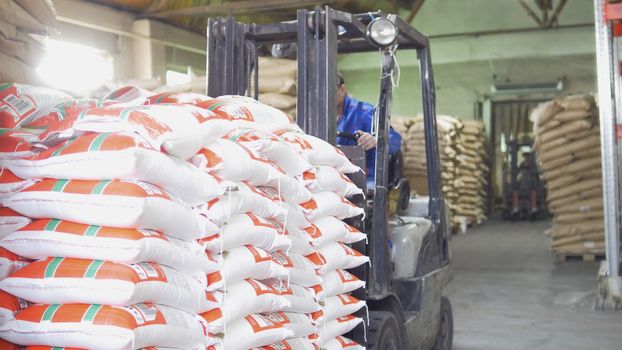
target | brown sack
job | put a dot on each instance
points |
(589, 144)
(578, 166)
(576, 188)
(583, 102)
(544, 112)
(563, 230)
(572, 114)
(564, 129)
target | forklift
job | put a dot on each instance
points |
(523, 189)
(409, 255)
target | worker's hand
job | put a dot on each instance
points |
(366, 140)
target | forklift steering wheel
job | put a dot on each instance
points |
(348, 135)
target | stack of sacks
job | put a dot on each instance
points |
(21, 23)
(277, 83)
(151, 247)
(279, 168)
(567, 142)
(471, 173)
(450, 146)
(325, 262)
(114, 236)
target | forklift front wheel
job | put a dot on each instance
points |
(445, 337)
(384, 331)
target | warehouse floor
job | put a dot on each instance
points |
(508, 293)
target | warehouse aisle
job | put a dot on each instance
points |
(508, 293)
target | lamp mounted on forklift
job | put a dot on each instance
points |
(409, 255)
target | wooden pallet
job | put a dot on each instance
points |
(587, 257)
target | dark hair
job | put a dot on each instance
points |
(340, 80)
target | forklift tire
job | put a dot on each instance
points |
(383, 332)
(445, 337)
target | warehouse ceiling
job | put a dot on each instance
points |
(193, 14)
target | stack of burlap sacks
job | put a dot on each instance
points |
(472, 173)
(567, 142)
(277, 83)
(22, 23)
(463, 165)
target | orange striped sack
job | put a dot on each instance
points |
(10, 263)
(52, 237)
(71, 281)
(246, 198)
(340, 306)
(329, 229)
(114, 156)
(331, 204)
(291, 344)
(249, 113)
(9, 307)
(107, 327)
(178, 129)
(11, 221)
(342, 343)
(251, 262)
(19, 102)
(337, 327)
(191, 98)
(249, 229)
(330, 179)
(318, 152)
(273, 148)
(10, 184)
(302, 300)
(232, 161)
(338, 282)
(302, 271)
(255, 330)
(15, 143)
(5, 345)
(115, 203)
(251, 296)
(301, 325)
(335, 256)
(52, 114)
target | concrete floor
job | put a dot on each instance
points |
(508, 293)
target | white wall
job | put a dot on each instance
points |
(133, 58)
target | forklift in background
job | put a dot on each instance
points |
(524, 193)
(409, 255)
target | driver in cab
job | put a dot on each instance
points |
(356, 118)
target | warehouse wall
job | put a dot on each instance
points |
(132, 57)
(465, 66)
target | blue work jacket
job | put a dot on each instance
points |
(359, 115)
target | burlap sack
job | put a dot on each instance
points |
(595, 235)
(589, 205)
(581, 102)
(587, 226)
(578, 196)
(556, 163)
(279, 101)
(564, 129)
(544, 112)
(572, 114)
(576, 188)
(590, 143)
(578, 166)
(585, 247)
(570, 218)
(277, 84)
(567, 180)
(16, 15)
(270, 66)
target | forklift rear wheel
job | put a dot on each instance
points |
(384, 331)
(445, 337)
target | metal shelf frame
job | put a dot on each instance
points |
(608, 58)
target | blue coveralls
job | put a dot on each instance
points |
(359, 115)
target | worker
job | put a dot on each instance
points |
(357, 118)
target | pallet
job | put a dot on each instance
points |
(588, 257)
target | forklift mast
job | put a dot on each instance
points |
(319, 35)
